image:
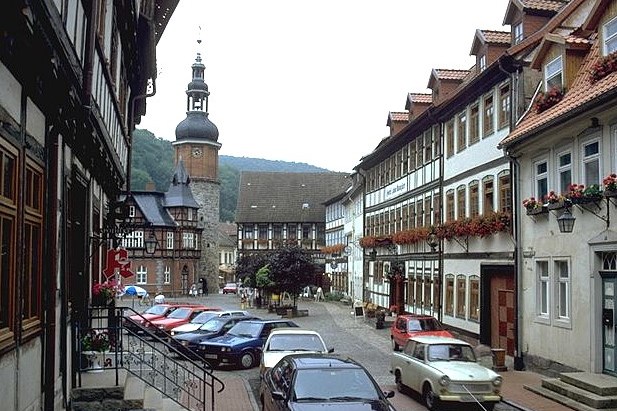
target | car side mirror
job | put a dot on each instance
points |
(279, 396)
(330, 350)
(389, 394)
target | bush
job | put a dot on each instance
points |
(336, 296)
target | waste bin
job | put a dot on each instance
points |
(380, 319)
(499, 359)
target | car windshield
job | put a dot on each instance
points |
(295, 342)
(246, 329)
(451, 352)
(334, 384)
(180, 313)
(424, 324)
(203, 317)
(214, 324)
(156, 309)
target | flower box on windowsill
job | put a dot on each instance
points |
(610, 193)
(558, 205)
(586, 199)
(537, 210)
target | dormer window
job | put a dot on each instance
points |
(610, 37)
(553, 74)
(517, 33)
(482, 63)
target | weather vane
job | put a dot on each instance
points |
(199, 35)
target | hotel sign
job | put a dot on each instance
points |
(396, 189)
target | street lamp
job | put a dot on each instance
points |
(432, 240)
(151, 243)
(566, 222)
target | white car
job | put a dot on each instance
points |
(201, 319)
(282, 342)
(444, 370)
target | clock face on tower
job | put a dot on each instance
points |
(196, 152)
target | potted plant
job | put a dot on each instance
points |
(579, 194)
(547, 100)
(103, 294)
(604, 67)
(610, 185)
(555, 201)
(534, 206)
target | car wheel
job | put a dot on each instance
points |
(395, 346)
(247, 360)
(490, 406)
(430, 399)
(402, 388)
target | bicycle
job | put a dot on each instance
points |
(145, 300)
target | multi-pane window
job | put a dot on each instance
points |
(517, 32)
(419, 213)
(167, 275)
(8, 217)
(461, 138)
(461, 295)
(474, 124)
(248, 232)
(436, 293)
(553, 74)
(591, 163)
(449, 297)
(482, 62)
(292, 231)
(610, 36)
(543, 288)
(262, 232)
(562, 279)
(141, 275)
(541, 178)
(405, 160)
(460, 202)
(412, 156)
(474, 199)
(132, 211)
(505, 192)
(188, 240)
(489, 115)
(450, 138)
(420, 151)
(450, 215)
(437, 140)
(437, 209)
(564, 171)
(405, 217)
(33, 240)
(428, 210)
(474, 298)
(307, 231)
(428, 146)
(189, 214)
(169, 240)
(488, 193)
(504, 106)
(133, 239)
(277, 231)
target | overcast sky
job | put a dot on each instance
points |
(310, 81)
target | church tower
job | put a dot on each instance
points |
(197, 146)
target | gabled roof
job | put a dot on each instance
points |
(571, 42)
(151, 205)
(447, 74)
(286, 197)
(581, 95)
(490, 37)
(538, 7)
(418, 98)
(179, 193)
(397, 116)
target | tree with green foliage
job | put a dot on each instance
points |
(247, 266)
(291, 269)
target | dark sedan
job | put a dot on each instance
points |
(242, 344)
(187, 343)
(318, 381)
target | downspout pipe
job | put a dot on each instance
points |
(519, 363)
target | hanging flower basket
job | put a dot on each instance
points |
(544, 101)
(610, 185)
(604, 67)
(579, 194)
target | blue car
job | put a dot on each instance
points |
(242, 344)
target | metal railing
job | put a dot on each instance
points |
(108, 343)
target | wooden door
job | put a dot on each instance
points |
(503, 313)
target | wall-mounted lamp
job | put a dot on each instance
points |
(372, 256)
(432, 240)
(566, 222)
(151, 243)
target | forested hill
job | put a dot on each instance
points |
(152, 160)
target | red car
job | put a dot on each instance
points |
(230, 288)
(412, 325)
(155, 312)
(178, 317)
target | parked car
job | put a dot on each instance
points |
(135, 322)
(324, 382)
(230, 288)
(204, 317)
(411, 325)
(242, 344)
(289, 341)
(187, 343)
(179, 316)
(444, 370)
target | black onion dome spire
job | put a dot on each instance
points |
(197, 125)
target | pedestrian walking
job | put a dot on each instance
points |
(319, 294)
(243, 299)
(193, 292)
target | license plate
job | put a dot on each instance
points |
(210, 356)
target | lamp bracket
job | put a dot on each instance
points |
(586, 207)
(464, 243)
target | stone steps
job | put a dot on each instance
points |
(580, 391)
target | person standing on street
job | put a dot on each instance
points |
(319, 294)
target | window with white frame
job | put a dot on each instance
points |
(461, 137)
(131, 211)
(564, 171)
(169, 241)
(610, 36)
(134, 239)
(141, 275)
(517, 32)
(543, 287)
(489, 115)
(541, 179)
(562, 289)
(474, 124)
(167, 278)
(189, 214)
(461, 202)
(188, 240)
(505, 191)
(482, 62)
(504, 106)
(553, 74)
(591, 162)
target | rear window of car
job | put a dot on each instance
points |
(331, 383)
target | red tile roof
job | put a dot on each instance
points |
(423, 98)
(549, 5)
(399, 116)
(496, 37)
(580, 93)
(449, 74)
